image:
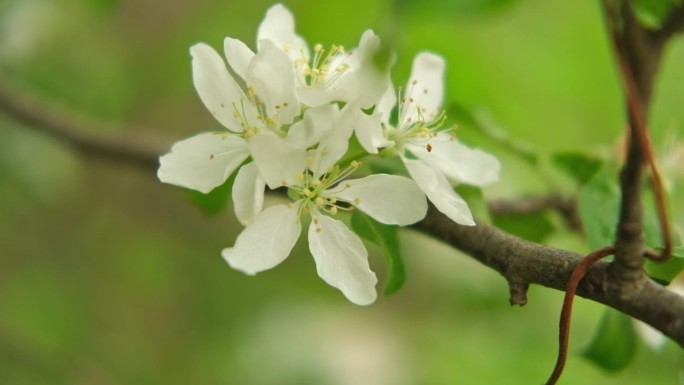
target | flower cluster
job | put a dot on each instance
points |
(290, 114)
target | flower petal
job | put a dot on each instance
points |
(439, 192)
(386, 103)
(425, 89)
(216, 87)
(390, 199)
(203, 161)
(341, 259)
(317, 123)
(248, 193)
(368, 130)
(372, 81)
(279, 26)
(267, 241)
(458, 162)
(279, 162)
(238, 55)
(271, 75)
(335, 144)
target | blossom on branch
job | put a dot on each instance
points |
(432, 155)
(321, 192)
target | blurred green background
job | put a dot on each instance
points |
(108, 276)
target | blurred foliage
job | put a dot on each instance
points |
(107, 276)
(614, 344)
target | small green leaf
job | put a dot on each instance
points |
(652, 13)
(384, 236)
(599, 201)
(614, 343)
(216, 200)
(666, 272)
(485, 123)
(582, 167)
(532, 227)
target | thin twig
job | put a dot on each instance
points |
(566, 313)
(129, 149)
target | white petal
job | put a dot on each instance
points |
(279, 26)
(238, 55)
(341, 259)
(458, 162)
(248, 193)
(203, 161)
(372, 80)
(439, 192)
(271, 74)
(317, 96)
(335, 144)
(368, 130)
(387, 102)
(651, 336)
(424, 90)
(390, 199)
(215, 86)
(267, 241)
(279, 162)
(317, 123)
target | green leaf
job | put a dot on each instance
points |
(599, 201)
(580, 166)
(532, 227)
(652, 13)
(666, 272)
(216, 200)
(384, 236)
(614, 343)
(485, 123)
(453, 6)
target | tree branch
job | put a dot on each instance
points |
(121, 148)
(520, 262)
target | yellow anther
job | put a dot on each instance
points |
(318, 48)
(332, 200)
(333, 210)
(355, 164)
(306, 192)
(319, 201)
(300, 176)
(357, 201)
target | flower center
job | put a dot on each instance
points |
(319, 193)
(325, 67)
(418, 128)
(261, 120)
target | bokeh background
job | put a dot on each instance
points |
(108, 276)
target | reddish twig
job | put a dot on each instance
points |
(633, 37)
(564, 325)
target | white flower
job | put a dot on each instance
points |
(254, 109)
(329, 74)
(320, 192)
(432, 155)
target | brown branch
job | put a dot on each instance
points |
(520, 262)
(523, 261)
(121, 148)
(638, 57)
